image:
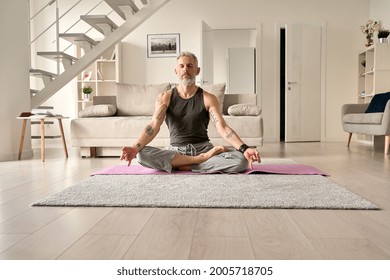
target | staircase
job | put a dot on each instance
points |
(133, 16)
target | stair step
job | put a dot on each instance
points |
(99, 48)
(33, 92)
(116, 4)
(66, 59)
(57, 55)
(101, 23)
(46, 76)
(39, 72)
(79, 39)
(49, 107)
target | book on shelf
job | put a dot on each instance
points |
(100, 75)
(113, 55)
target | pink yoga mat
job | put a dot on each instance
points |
(287, 169)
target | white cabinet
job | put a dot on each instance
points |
(374, 75)
(374, 71)
(102, 75)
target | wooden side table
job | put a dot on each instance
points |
(42, 120)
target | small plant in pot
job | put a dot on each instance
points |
(382, 35)
(87, 91)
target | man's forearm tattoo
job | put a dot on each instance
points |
(149, 130)
(161, 114)
(138, 145)
(213, 117)
(230, 135)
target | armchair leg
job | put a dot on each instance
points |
(92, 151)
(349, 139)
(387, 144)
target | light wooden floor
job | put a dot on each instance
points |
(145, 233)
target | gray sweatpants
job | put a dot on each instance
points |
(161, 159)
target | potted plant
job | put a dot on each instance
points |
(87, 90)
(368, 29)
(382, 35)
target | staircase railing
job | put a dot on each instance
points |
(56, 23)
(112, 32)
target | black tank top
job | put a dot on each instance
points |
(187, 119)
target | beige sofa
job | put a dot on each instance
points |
(116, 121)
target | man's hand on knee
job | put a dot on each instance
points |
(252, 155)
(128, 154)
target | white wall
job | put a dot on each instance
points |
(380, 10)
(344, 40)
(14, 77)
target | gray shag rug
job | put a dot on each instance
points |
(209, 191)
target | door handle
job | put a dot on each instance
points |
(291, 83)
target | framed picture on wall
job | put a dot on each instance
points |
(163, 45)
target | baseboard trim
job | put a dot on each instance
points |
(14, 156)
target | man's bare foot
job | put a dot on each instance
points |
(183, 162)
(214, 151)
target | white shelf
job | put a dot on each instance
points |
(105, 61)
(373, 77)
(105, 73)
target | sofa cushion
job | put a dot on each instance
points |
(246, 109)
(102, 110)
(378, 103)
(218, 90)
(373, 118)
(136, 100)
(114, 127)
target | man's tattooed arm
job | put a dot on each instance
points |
(223, 129)
(213, 118)
(152, 129)
(230, 134)
(149, 130)
(161, 113)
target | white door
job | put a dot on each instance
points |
(207, 55)
(303, 83)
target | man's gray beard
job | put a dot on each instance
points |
(187, 82)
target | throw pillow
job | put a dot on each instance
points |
(246, 109)
(105, 110)
(136, 100)
(378, 103)
(218, 90)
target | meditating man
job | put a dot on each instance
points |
(187, 110)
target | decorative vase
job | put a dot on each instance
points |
(370, 41)
(383, 40)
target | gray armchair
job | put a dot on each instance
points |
(355, 120)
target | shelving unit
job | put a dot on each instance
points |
(373, 76)
(102, 76)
